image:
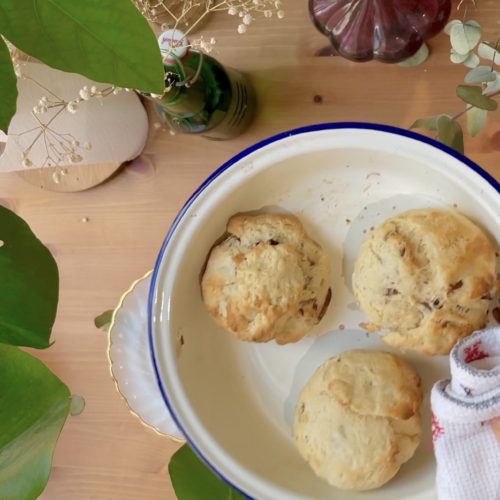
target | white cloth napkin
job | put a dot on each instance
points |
(467, 450)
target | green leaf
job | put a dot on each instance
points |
(450, 25)
(480, 74)
(474, 95)
(476, 118)
(416, 59)
(77, 405)
(193, 480)
(487, 51)
(427, 122)
(29, 286)
(450, 133)
(457, 58)
(472, 60)
(8, 84)
(104, 320)
(465, 36)
(34, 405)
(105, 40)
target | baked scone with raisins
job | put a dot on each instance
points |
(357, 419)
(267, 279)
(426, 277)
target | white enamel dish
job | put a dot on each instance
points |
(234, 401)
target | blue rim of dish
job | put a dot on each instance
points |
(302, 130)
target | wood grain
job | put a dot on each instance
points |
(105, 453)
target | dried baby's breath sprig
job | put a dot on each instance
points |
(187, 15)
(60, 148)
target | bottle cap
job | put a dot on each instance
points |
(173, 45)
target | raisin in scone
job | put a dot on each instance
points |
(267, 279)
(426, 277)
(357, 419)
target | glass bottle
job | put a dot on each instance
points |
(202, 97)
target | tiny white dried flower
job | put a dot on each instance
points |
(247, 19)
(72, 107)
(93, 89)
(87, 146)
(85, 94)
(27, 162)
(43, 100)
(280, 14)
(242, 28)
(56, 177)
(75, 158)
(157, 125)
(268, 13)
(241, 13)
(232, 11)
(116, 91)
(212, 41)
(75, 143)
(277, 4)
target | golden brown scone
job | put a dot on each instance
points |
(267, 280)
(357, 419)
(426, 277)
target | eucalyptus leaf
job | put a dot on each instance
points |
(77, 405)
(416, 59)
(476, 118)
(450, 133)
(488, 51)
(480, 74)
(452, 23)
(427, 122)
(472, 61)
(106, 40)
(103, 321)
(493, 87)
(465, 36)
(34, 405)
(8, 84)
(457, 58)
(29, 286)
(474, 95)
(193, 480)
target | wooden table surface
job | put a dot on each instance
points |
(106, 453)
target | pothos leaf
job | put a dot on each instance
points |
(29, 285)
(476, 118)
(418, 58)
(104, 319)
(474, 95)
(8, 84)
(106, 40)
(193, 480)
(450, 133)
(34, 405)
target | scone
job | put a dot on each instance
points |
(357, 419)
(267, 279)
(425, 277)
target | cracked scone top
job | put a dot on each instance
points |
(267, 279)
(357, 419)
(426, 277)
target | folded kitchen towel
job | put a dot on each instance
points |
(464, 410)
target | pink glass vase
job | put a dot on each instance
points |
(387, 30)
